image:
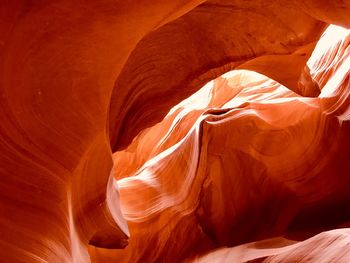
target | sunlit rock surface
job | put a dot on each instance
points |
(330, 246)
(258, 153)
(242, 159)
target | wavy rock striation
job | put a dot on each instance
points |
(259, 152)
(242, 159)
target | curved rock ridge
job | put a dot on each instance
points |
(215, 37)
(226, 36)
(242, 159)
(331, 246)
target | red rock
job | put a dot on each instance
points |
(331, 246)
(246, 157)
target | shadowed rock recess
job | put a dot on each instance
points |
(174, 131)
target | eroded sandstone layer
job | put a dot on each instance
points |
(242, 159)
(229, 120)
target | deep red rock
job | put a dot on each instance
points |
(255, 144)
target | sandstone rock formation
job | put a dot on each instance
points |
(330, 246)
(229, 122)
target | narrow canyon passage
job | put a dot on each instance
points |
(174, 131)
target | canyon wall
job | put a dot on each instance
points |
(229, 123)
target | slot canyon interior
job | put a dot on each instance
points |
(165, 131)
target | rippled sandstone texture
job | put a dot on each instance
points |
(257, 156)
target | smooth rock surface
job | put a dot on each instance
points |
(242, 159)
(258, 152)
